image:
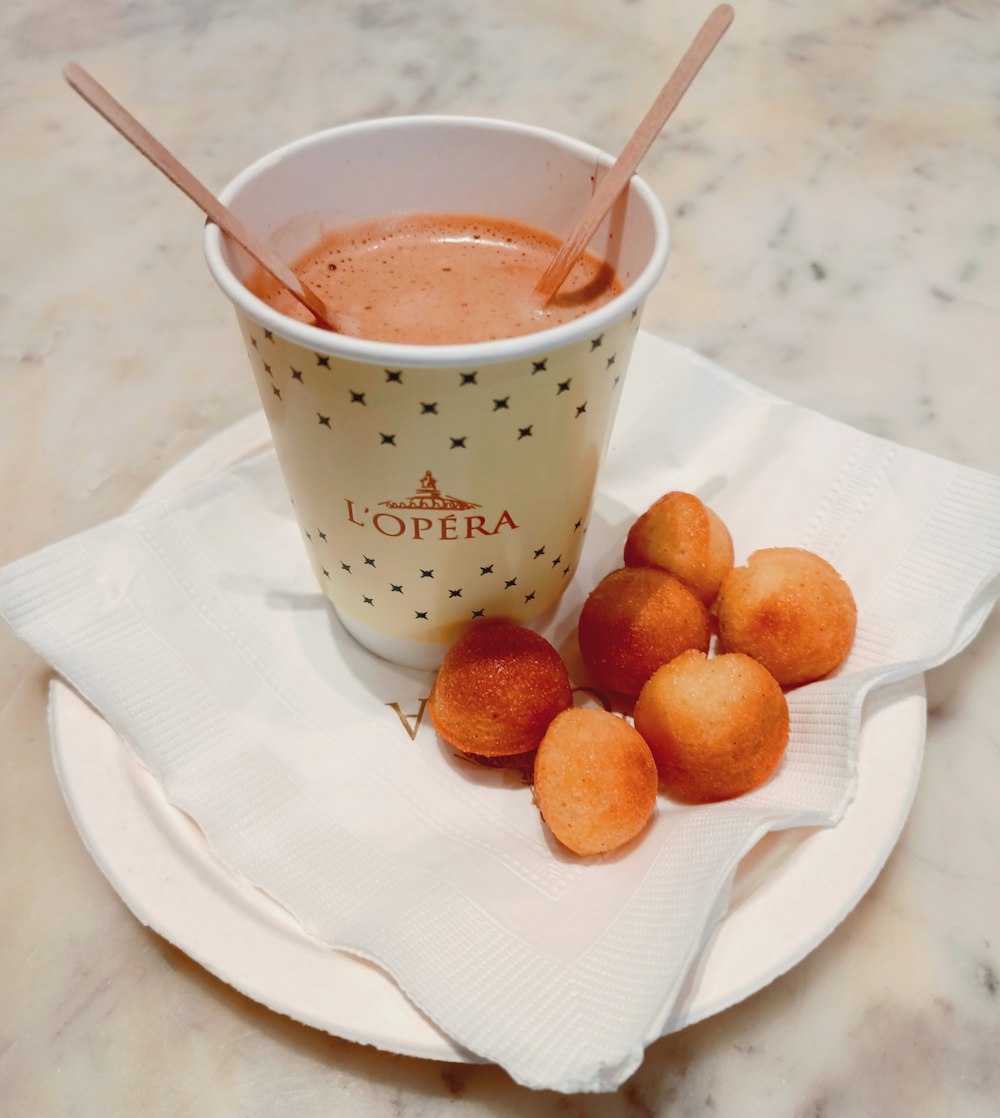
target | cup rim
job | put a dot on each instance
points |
(416, 356)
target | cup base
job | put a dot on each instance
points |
(422, 655)
(425, 655)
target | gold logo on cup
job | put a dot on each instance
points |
(428, 498)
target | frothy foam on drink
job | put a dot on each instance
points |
(441, 279)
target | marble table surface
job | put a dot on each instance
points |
(832, 181)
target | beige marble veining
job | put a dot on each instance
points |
(832, 182)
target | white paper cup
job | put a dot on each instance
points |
(435, 485)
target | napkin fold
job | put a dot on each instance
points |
(194, 625)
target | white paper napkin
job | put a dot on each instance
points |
(194, 625)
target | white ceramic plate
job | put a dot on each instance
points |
(790, 892)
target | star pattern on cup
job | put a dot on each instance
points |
(521, 432)
(477, 610)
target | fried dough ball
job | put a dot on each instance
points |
(681, 535)
(595, 780)
(498, 689)
(636, 619)
(791, 611)
(717, 727)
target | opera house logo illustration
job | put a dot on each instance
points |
(428, 496)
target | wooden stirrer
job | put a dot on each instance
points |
(120, 118)
(615, 181)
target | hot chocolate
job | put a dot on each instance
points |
(441, 279)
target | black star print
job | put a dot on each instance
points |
(509, 583)
(325, 572)
(557, 561)
(524, 433)
(576, 526)
(267, 369)
(253, 342)
(357, 397)
(635, 311)
(387, 440)
(324, 361)
(426, 574)
(565, 571)
(308, 537)
(368, 601)
(611, 361)
(394, 376)
(467, 378)
(498, 404)
(276, 390)
(539, 366)
(297, 375)
(421, 615)
(595, 342)
(479, 613)
(459, 443)
(564, 386)
(581, 409)
(324, 420)
(454, 593)
(368, 562)
(428, 409)
(269, 335)
(344, 566)
(617, 379)
(529, 597)
(486, 570)
(538, 551)
(322, 535)
(396, 589)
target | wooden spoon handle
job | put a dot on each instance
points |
(615, 181)
(121, 119)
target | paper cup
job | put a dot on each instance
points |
(435, 485)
